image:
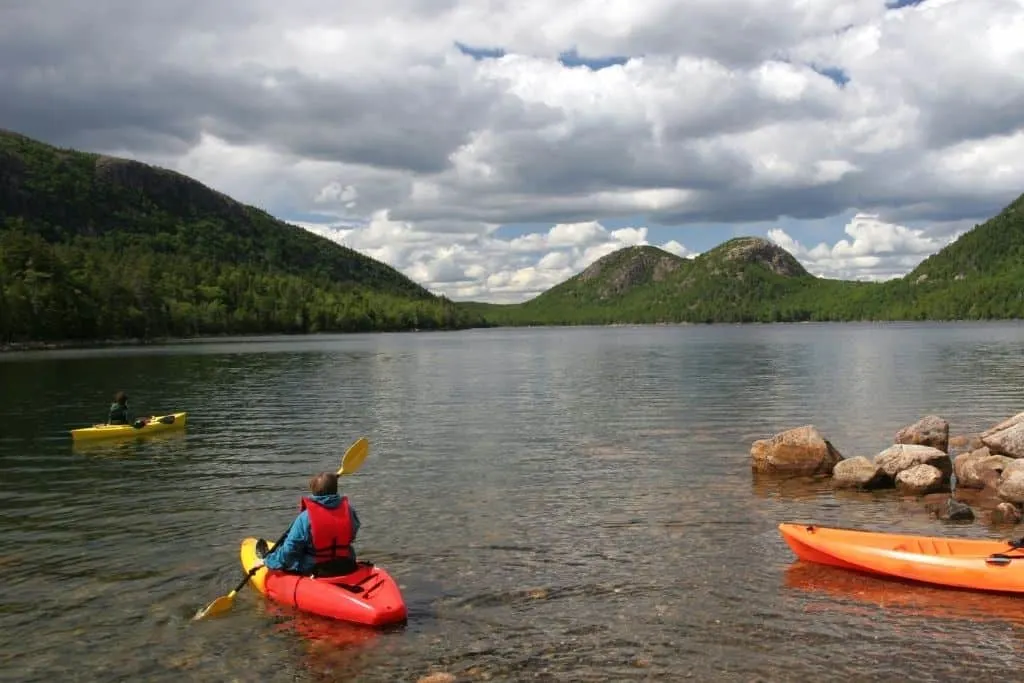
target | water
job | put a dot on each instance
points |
(557, 504)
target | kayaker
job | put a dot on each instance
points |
(319, 541)
(118, 413)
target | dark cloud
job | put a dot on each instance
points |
(150, 78)
(95, 80)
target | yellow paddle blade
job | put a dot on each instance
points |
(217, 607)
(354, 456)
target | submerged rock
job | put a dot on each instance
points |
(1006, 513)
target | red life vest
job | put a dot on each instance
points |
(330, 528)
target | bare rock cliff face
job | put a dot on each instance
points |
(166, 188)
(757, 250)
(627, 268)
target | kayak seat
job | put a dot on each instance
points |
(342, 566)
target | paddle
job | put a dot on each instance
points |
(353, 460)
(1003, 560)
(143, 421)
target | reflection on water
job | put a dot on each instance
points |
(134, 445)
(568, 504)
(903, 598)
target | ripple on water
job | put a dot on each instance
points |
(556, 505)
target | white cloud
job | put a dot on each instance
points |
(878, 251)
(366, 116)
(480, 266)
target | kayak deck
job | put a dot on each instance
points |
(155, 424)
(975, 564)
(368, 596)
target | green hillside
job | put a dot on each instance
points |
(94, 247)
(748, 279)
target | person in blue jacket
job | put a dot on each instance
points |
(319, 541)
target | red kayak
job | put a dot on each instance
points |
(368, 596)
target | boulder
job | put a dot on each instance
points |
(920, 480)
(930, 430)
(1011, 483)
(1008, 422)
(964, 443)
(900, 457)
(977, 469)
(859, 473)
(798, 452)
(1008, 441)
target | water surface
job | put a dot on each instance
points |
(558, 504)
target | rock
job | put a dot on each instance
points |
(1011, 483)
(979, 468)
(1008, 422)
(900, 457)
(439, 677)
(859, 473)
(1009, 441)
(930, 430)
(985, 499)
(964, 443)
(958, 511)
(920, 480)
(799, 452)
(1006, 513)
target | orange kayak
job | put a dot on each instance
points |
(975, 564)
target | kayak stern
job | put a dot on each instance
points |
(368, 596)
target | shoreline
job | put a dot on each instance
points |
(67, 344)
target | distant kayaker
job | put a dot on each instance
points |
(319, 541)
(119, 414)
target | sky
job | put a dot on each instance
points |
(490, 149)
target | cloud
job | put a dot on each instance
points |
(382, 118)
(879, 250)
(482, 266)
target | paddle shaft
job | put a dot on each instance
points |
(252, 571)
(351, 462)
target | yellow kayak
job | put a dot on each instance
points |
(153, 425)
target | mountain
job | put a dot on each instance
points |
(749, 279)
(646, 284)
(95, 247)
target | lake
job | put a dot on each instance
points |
(557, 504)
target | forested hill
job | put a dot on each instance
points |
(748, 279)
(95, 247)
